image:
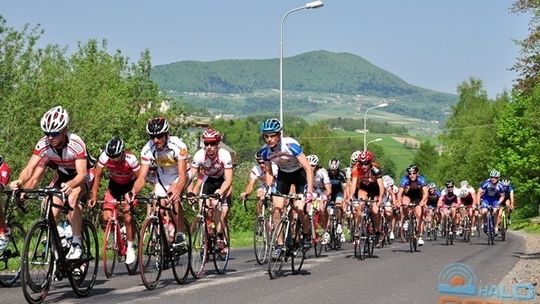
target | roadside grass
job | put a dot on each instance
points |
(242, 239)
(529, 225)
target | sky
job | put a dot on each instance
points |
(435, 44)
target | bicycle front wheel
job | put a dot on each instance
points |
(84, 271)
(181, 258)
(199, 248)
(151, 244)
(297, 254)
(275, 256)
(413, 242)
(110, 248)
(132, 268)
(260, 240)
(10, 258)
(37, 262)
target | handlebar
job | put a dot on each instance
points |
(43, 193)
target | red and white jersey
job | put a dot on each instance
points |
(120, 172)
(166, 159)
(212, 167)
(63, 160)
(5, 173)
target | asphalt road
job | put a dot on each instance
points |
(394, 275)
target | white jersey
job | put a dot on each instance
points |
(348, 173)
(166, 160)
(257, 173)
(285, 154)
(321, 179)
(214, 168)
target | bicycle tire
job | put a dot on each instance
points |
(181, 258)
(132, 268)
(84, 274)
(275, 264)
(370, 241)
(199, 248)
(413, 242)
(151, 252)
(37, 262)
(504, 224)
(297, 254)
(316, 241)
(466, 229)
(110, 248)
(260, 240)
(221, 256)
(362, 238)
(11, 256)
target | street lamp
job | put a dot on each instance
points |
(314, 4)
(382, 105)
(372, 141)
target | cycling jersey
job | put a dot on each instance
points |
(492, 192)
(336, 181)
(449, 198)
(320, 179)
(120, 172)
(258, 173)
(433, 198)
(367, 178)
(413, 188)
(5, 173)
(63, 159)
(284, 154)
(214, 168)
(507, 190)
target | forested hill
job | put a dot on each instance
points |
(319, 71)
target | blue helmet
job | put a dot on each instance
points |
(272, 125)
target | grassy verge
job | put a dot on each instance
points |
(242, 239)
(530, 225)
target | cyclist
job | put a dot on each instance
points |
(5, 173)
(293, 170)
(170, 155)
(66, 153)
(216, 177)
(468, 199)
(367, 183)
(389, 199)
(448, 202)
(348, 177)
(413, 189)
(508, 197)
(491, 193)
(431, 211)
(123, 168)
(322, 190)
(337, 180)
(258, 173)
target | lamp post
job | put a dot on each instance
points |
(382, 105)
(314, 4)
(372, 141)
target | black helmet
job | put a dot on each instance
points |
(258, 156)
(449, 183)
(114, 147)
(157, 126)
(412, 169)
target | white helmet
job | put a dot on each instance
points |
(464, 184)
(55, 120)
(387, 181)
(354, 156)
(313, 160)
(463, 192)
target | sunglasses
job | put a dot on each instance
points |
(152, 136)
(365, 163)
(261, 163)
(52, 134)
(206, 144)
(413, 173)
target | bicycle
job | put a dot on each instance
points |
(261, 231)
(449, 229)
(289, 227)
(316, 231)
(156, 251)
(205, 239)
(44, 256)
(478, 221)
(431, 225)
(10, 257)
(466, 224)
(490, 226)
(411, 227)
(363, 234)
(335, 236)
(504, 223)
(115, 242)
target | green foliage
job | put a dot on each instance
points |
(427, 159)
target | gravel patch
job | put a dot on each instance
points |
(527, 269)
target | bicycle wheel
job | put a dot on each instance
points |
(370, 238)
(362, 239)
(110, 248)
(490, 232)
(221, 255)
(297, 254)
(37, 263)
(318, 232)
(151, 244)
(132, 268)
(260, 240)
(478, 225)
(504, 224)
(84, 271)
(434, 229)
(10, 258)
(199, 248)
(181, 257)
(466, 229)
(413, 242)
(275, 259)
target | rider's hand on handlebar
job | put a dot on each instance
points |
(309, 197)
(14, 185)
(66, 188)
(243, 196)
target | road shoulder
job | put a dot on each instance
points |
(528, 266)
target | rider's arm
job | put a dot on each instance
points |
(27, 172)
(269, 174)
(176, 188)
(80, 166)
(309, 172)
(352, 187)
(399, 197)
(425, 194)
(479, 195)
(139, 182)
(328, 190)
(249, 187)
(381, 189)
(512, 199)
(95, 185)
(36, 177)
(228, 175)
(440, 201)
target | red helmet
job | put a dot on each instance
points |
(211, 135)
(365, 157)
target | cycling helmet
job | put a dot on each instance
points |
(504, 182)
(495, 173)
(354, 156)
(114, 147)
(272, 125)
(211, 135)
(449, 183)
(158, 125)
(333, 164)
(365, 157)
(432, 186)
(412, 169)
(464, 184)
(463, 192)
(258, 156)
(388, 181)
(313, 160)
(55, 120)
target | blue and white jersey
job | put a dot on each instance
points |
(507, 191)
(492, 192)
(413, 188)
(284, 154)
